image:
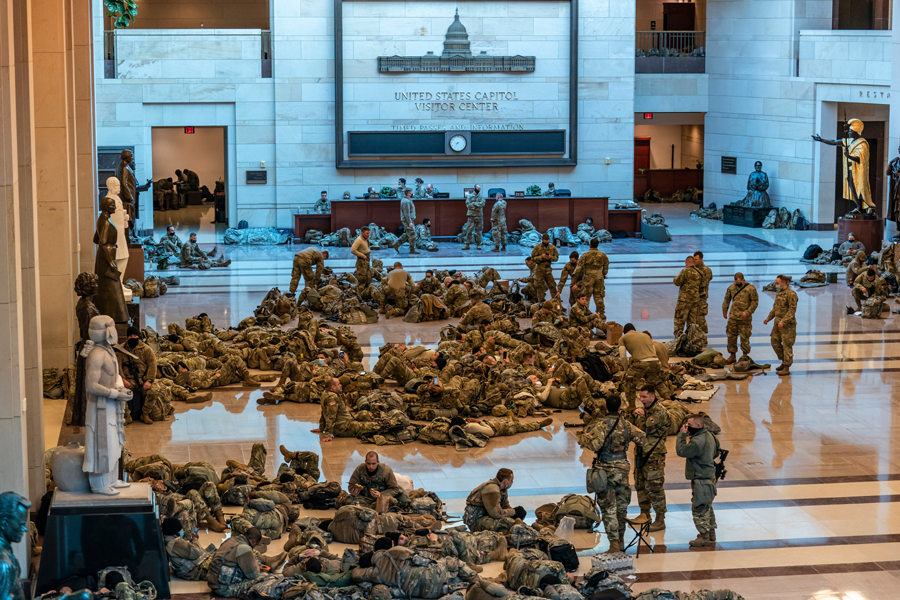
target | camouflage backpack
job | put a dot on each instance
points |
(522, 535)
(771, 218)
(689, 343)
(351, 523)
(872, 308)
(437, 432)
(53, 384)
(581, 508)
(528, 567)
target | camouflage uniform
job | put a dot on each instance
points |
(613, 458)
(407, 216)
(567, 271)
(227, 578)
(336, 420)
(703, 307)
(543, 270)
(863, 289)
(363, 273)
(233, 370)
(396, 369)
(509, 426)
(158, 399)
(742, 299)
(171, 244)
(426, 286)
(686, 311)
(481, 501)
(650, 474)
(455, 298)
(164, 193)
(498, 224)
(322, 206)
(476, 314)
(583, 317)
(303, 264)
(382, 481)
(700, 450)
(590, 277)
(193, 257)
(188, 560)
(784, 311)
(474, 220)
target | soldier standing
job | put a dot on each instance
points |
(303, 265)
(487, 507)
(474, 218)
(609, 438)
(568, 270)
(688, 295)
(360, 249)
(705, 277)
(650, 461)
(744, 300)
(590, 276)
(644, 366)
(700, 447)
(544, 255)
(407, 219)
(498, 224)
(784, 331)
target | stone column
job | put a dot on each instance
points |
(824, 172)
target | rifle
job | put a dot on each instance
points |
(720, 466)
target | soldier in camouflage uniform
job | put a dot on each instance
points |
(234, 568)
(498, 224)
(590, 276)
(644, 366)
(336, 420)
(195, 258)
(423, 236)
(533, 289)
(609, 438)
(478, 313)
(137, 364)
(171, 242)
(164, 193)
(700, 447)
(743, 301)
(581, 315)
(487, 507)
(784, 331)
(869, 285)
(408, 220)
(544, 255)
(304, 261)
(474, 226)
(504, 426)
(705, 277)
(233, 370)
(567, 271)
(372, 480)
(650, 470)
(188, 560)
(429, 285)
(360, 249)
(455, 297)
(688, 282)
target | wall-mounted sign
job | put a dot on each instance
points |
(189, 130)
(648, 115)
(257, 177)
(729, 165)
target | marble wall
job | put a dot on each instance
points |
(846, 55)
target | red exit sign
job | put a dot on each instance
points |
(191, 129)
(646, 116)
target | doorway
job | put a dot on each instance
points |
(197, 200)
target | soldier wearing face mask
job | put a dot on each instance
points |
(429, 285)
(138, 367)
(700, 447)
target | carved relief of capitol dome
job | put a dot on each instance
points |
(457, 57)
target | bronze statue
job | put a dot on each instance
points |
(757, 184)
(856, 169)
(128, 182)
(85, 310)
(13, 525)
(893, 174)
(110, 299)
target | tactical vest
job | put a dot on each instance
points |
(607, 455)
(222, 573)
(475, 505)
(186, 568)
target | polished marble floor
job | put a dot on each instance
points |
(808, 507)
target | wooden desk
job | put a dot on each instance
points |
(303, 223)
(624, 219)
(448, 215)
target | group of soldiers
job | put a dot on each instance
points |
(171, 194)
(171, 251)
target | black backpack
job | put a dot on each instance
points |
(594, 366)
(812, 252)
(802, 224)
(562, 552)
(243, 225)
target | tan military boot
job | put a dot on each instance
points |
(731, 359)
(287, 454)
(273, 562)
(712, 535)
(293, 537)
(546, 422)
(466, 247)
(214, 524)
(198, 398)
(251, 381)
(643, 517)
(414, 251)
(495, 249)
(701, 541)
(784, 371)
(499, 554)
(396, 246)
(659, 523)
(474, 567)
(613, 547)
(146, 419)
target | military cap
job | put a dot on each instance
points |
(548, 305)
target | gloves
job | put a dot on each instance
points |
(520, 512)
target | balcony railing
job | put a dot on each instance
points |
(668, 44)
(109, 54)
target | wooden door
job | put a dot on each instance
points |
(641, 154)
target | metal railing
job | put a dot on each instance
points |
(670, 43)
(109, 54)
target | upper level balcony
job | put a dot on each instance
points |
(674, 52)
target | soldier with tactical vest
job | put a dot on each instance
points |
(609, 439)
(743, 301)
(589, 277)
(372, 480)
(304, 261)
(784, 331)
(234, 567)
(706, 276)
(687, 309)
(188, 560)
(650, 462)
(544, 255)
(487, 507)
(474, 226)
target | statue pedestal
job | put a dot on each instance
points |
(745, 216)
(89, 532)
(868, 231)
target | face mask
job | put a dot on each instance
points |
(428, 279)
(320, 362)
(132, 342)
(739, 285)
(693, 430)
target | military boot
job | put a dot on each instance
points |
(474, 567)
(466, 247)
(495, 249)
(712, 535)
(784, 371)
(731, 359)
(500, 552)
(146, 419)
(273, 562)
(546, 422)
(414, 251)
(293, 537)
(396, 246)
(659, 523)
(287, 454)
(251, 381)
(780, 367)
(613, 546)
(213, 524)
(503, 249)
(198, 398)
(701, 541)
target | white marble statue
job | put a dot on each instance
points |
(106, 398)
(120, 220)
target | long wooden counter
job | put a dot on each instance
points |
(448, 215)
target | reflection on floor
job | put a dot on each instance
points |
(191, 218)
(807, 510)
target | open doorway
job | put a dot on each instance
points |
(189, 185)
(668, 153)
